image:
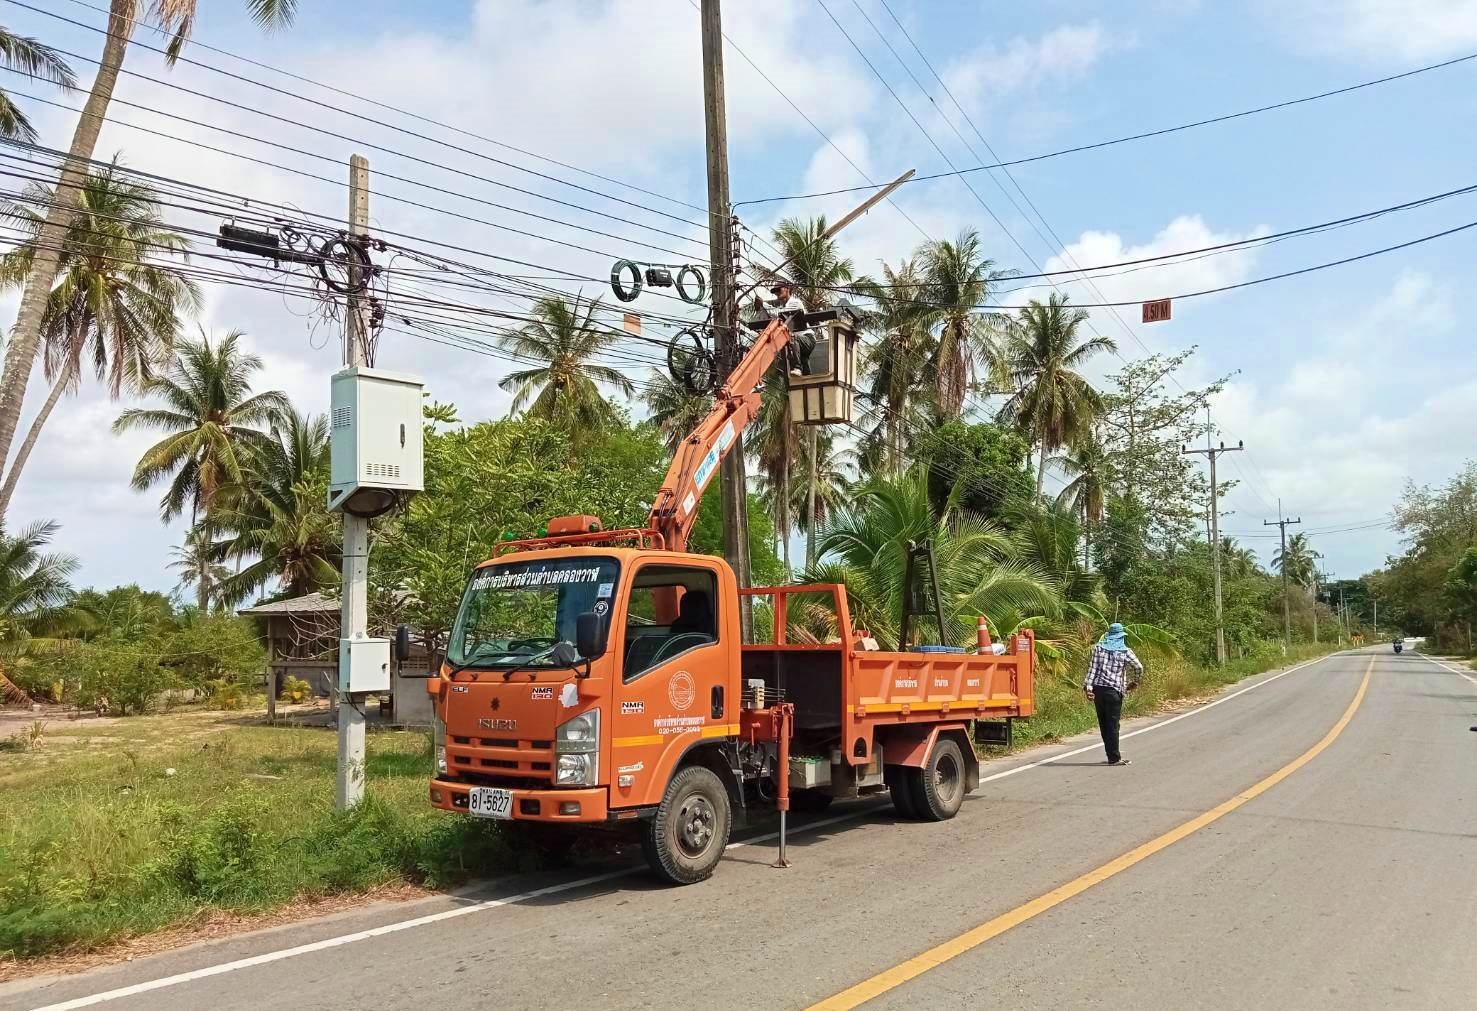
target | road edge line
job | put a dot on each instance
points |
(889, 979)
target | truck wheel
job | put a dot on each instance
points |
(685, 840)
(938, 787)
(810, 801)
(900, 786)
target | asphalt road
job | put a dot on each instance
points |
(1303, 844)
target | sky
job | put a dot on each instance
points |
(1345, 383)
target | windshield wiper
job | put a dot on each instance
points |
(529, 661)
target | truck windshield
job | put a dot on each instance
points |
(513, 613)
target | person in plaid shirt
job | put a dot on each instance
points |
(1108, 681)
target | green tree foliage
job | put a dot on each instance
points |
(210, 414)
(957, 280)
(868, 541)
(114, 304)
(1422, 589)
(1053, 403)
(981, 466)
(37, 61)
(1143, 427)
(512, 476)
(276, 518)
(563, 385)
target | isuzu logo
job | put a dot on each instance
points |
(497, 724)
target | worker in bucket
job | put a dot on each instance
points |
(785, 305)
(1108, 681)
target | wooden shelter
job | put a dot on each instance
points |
(302, 642)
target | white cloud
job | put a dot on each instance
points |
(991, 72)
(1149, 281)
(1385, 30)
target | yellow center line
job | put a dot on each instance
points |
(973, 938)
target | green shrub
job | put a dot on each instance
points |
(295, 689)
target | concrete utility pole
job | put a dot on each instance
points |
(1283, 523)
(1215, 537)
(731, 477)
(354, 595)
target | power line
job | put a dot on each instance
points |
(1131, 137)
(240, 135)
(348, 112)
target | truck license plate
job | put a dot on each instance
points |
(490, 802)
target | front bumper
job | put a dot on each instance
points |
(530, 805)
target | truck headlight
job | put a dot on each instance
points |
(579, 735)
(438, 737)
(576, 770)
(577, 743)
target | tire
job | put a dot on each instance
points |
(939, 787)
(686, 838)
(899, 785)
(810, 801)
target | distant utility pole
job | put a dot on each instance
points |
(732, 482)
(1283, 523)
(354, 596)
(1212, 452)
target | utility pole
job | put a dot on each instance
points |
(1283, 523)
(1212, 452)
(354, 595)
(732, 482)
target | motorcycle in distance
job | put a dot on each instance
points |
(1399, 645)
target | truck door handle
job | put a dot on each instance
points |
(717, 702)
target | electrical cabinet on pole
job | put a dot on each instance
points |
(376, 461)
(732, 482)
(1215, 539)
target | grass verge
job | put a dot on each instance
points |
(118, 828)
(149, 822)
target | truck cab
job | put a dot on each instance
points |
(578, 679)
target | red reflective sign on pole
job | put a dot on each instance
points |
(1157, 311)
(632, 324)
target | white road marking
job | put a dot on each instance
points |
(566, 886)
(1447, 667)
(1155, 726)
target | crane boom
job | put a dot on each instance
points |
(696, 460)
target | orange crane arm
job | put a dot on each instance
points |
(696, 460)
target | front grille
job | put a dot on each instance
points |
(497, 742)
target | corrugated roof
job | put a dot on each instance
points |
(312, 603)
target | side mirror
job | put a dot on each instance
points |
(589, 635)
(402, 643)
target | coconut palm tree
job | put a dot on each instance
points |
(210, 415)
(34, 593)
(276, 515)
(112, 304)
(197, 561)
(774, 447)
(820, 275)
(1297, 559)
(674, 410)
(564, 384)
(830, 488)
(1237, 562)
(866, 546)
(897, 364)
(957, 280)
(37, 61)
(1053, 404)
(176, 19)
(1088, 468)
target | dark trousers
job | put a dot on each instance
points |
(1109, 705)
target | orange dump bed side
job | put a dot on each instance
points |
(883, 689)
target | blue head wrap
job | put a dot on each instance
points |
(1115, 639)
